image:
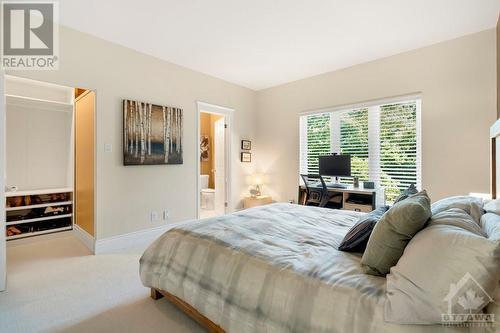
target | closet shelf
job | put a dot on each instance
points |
(35, 233)
(38, 103)
(38, 192)
(38, 219)
(49, 204)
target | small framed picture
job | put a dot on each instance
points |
(246, 144)
(246, 157)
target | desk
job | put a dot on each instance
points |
(373, 198)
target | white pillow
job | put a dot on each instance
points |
(439, 265)
(490, 224)
(459, 218)
(471, 205)
(492, 206)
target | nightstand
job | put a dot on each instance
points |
(257, 201)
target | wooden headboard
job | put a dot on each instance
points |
(495, 158)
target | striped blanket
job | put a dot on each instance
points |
(274, 268)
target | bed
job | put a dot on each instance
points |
(276, 268)
(273, 268)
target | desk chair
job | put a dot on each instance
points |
(317, 193)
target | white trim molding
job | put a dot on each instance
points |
(140, 238)
(84, 237)
(366, 104)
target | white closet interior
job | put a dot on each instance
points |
(39, 157)
(39, 122)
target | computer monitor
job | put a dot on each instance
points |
(335, 165)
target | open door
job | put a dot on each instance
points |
(220, 172)
(84, 161)
(3, 255)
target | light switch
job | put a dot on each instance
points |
(108, 148)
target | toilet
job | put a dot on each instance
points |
(207, 194)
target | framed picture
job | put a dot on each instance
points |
(152, 134)
(246, 144)
(204, 148)
(246, 157)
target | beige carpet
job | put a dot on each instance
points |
(55, 285)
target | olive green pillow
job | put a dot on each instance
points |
(393, 232)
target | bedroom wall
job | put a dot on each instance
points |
(457, 80)
(498, 67)
(126, 195)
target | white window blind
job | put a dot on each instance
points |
(354, 141)
(317, 141)
(383, 140)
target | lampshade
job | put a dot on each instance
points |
(257, 179)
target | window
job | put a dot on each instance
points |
(383, 140)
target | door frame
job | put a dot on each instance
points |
(3, 133)
(227, 113)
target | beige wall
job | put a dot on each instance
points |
(126, 195)
(457, 80)
(498, 67)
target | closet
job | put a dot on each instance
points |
(49, 137)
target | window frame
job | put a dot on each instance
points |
(374, 153)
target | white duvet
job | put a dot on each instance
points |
(274, 268)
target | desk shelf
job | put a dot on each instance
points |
(353, 198)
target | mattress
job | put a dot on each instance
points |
(273, 268)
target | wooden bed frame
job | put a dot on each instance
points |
(187, 309)
(214, 328)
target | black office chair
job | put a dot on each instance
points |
(317, 193)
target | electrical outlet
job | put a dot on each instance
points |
(166, 214)
(154, 216)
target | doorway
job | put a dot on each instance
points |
(48, 162)
(213, 160)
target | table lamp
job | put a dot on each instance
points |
(258, 181)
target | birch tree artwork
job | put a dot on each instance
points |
(152, 134)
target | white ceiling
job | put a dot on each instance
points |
(263, 43)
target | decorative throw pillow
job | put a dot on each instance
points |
(445, 269)
(411, 190)
(472, 205)
(357, 237)
(393, 232)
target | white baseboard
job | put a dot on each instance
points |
(133, 239)
(84, 237)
